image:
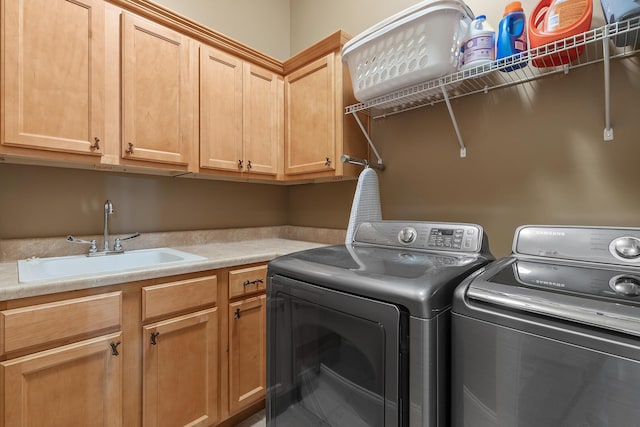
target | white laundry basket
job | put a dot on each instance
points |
(415, 45)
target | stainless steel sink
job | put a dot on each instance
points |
(35, 269)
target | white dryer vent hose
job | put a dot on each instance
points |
(366, 202)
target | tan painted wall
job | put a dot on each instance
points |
(311, 19)
(535, 153)
(47, 202)
(263, 25)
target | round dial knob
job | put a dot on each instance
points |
(407, 235)
(627, 247)
(627, 285)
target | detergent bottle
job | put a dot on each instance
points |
(564, 13)
(554, 20)
(478, 47)
(512, 35)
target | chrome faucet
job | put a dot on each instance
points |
(108, 210)
(117, 246)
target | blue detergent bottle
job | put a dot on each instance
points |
(512, 36)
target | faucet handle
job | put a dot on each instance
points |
(118, 247)
(92, 249)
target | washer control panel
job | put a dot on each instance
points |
(421, 235)
(573, 279)
(620, 246)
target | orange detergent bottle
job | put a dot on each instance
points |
(554, 20)
(564, 14)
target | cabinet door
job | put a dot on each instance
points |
(180, 371)
(157, 110)
(247, 349)
(74, 385)
(263, 114)
(220, 110)
(53, 74)
(310, 116)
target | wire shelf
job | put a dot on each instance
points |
(589, 48)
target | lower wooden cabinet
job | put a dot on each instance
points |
(247, 352)
(171, 351)
(180, 371)
(180, 353)
(78, 384)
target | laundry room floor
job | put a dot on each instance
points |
(259, 419)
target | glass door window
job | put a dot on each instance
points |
(333, 358)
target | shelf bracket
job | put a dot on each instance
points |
(463, 149)
(366, 135)
(608, 130)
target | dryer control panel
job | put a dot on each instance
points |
(421, 235)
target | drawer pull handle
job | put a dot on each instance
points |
(96, 145)
(249, 164)
(327, 162)
(114, 348)
(236, 314)
(130, 149)
(252, 282)
(154, 335)
(240, 165)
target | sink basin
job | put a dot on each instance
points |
(34, 269)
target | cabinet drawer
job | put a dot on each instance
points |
(42, 324)
(247, 280)
(175, 297)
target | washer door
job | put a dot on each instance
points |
(333, 359)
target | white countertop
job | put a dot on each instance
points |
(219, 255)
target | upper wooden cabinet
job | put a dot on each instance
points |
(311, 117)
(240, 115)
(317, 133)
(53, 77)
(263, 116)
(89, 83)
(220, 110)
(157, 92)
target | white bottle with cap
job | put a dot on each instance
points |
(478, 47)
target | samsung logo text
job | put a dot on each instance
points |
(550, 233)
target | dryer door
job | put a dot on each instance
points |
(333, 359)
